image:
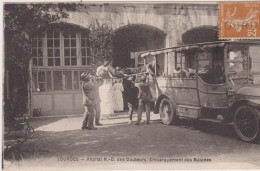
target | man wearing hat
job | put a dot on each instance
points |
(88, 92)
(144, 99)
(129, 95)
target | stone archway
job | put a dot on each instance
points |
(134, 38)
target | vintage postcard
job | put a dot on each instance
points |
(131, 85)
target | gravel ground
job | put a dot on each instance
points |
(59, 142)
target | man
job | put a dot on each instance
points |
(151, 67)
(129, 95)
(144, 99)
(98, 82)
(88, 92)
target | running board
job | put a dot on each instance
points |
(188, 111)
(211, 120)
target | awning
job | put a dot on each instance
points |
(214, 45)
(186, 48)
(177, 49)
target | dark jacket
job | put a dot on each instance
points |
(89, 93)
(129, 90)
(144, 91)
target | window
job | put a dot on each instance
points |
(37, 56)
(55, 80)
(53, 48)
(67, 80)
(62, 49)
(237, 60)
(41, 81)
(180, 61)
(76, 80)
(205, 63)
(254, 58)
(70, 50)
(85, 49)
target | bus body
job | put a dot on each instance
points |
(205, 80)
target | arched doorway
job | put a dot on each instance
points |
(133, 38)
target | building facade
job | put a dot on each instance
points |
(63, 53)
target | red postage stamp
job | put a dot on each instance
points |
(239, 20)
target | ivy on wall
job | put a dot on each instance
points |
(101, 42)
(22, 22)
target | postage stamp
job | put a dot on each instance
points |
(239, 20)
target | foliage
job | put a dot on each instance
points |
(25, 21)
(101, 42)
(22, 22)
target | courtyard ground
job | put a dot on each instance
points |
(59, 142)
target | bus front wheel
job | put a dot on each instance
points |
(167, 111)
(247, 123)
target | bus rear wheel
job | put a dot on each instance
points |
(167, 111)
(247, 123)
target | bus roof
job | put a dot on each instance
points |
(194, 46)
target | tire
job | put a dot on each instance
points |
(167, 111)
(246, 123)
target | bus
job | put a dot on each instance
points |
(205, 81)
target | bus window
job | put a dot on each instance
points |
(185, 64)
(204, 58)
(160, 61)
(180, 60)
(236, 59)
(179, 65)
(210, 66)
(170, 62)
(254, 57)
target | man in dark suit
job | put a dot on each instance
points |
(129, 95)
(88, 92)
(144, 99)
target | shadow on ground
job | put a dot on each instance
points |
(122, 139)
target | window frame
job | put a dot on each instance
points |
(53, 57)
(74, 87)
(69, 47)
(182, 61)
(86, 48)
(37, 48)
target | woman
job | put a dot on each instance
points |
(106, 97)
(118, 97)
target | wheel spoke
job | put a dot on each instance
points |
(246, 123)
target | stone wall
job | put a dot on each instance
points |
(173, 19)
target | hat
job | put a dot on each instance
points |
(85, 76)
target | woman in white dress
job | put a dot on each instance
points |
(118, 96)
(106, 97)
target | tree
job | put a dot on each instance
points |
(22, 22)
(101, 42)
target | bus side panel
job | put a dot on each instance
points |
(212, 96)
(183, 90)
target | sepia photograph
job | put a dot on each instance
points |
(123, 85)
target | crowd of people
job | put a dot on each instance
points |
(108, 89)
